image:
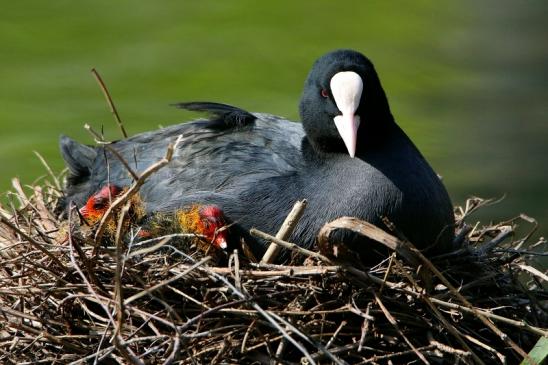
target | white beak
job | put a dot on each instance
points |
(347, 87)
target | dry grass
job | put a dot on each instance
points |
(65, 299)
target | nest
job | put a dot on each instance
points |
(66, 298)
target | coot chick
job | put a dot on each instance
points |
(208, 222)
(347, 158)
(97, 204)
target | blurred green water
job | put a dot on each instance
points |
(467, 81)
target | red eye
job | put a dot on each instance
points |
(325, 93)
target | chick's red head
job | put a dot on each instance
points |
(212, 224)
(99, 202)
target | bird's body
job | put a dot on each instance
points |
(255, 166)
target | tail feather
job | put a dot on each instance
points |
(231, 116)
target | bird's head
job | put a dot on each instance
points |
(208, 221)
(342, 97)
(213, 225)
(98, 203)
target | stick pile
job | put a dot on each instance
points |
(65, 298)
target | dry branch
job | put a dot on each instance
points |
(100, 140)
(109, 101)
(291, 246)
(285, 231)
(368, 230)
(134, 188)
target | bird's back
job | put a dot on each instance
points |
(212, 156)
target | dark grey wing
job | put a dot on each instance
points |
(228, 161)
(232, 148)
(90, 168)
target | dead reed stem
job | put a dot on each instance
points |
(109, 102)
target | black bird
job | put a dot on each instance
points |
(347, 158)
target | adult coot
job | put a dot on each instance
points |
(347, 158)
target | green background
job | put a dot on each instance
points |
(467, 81)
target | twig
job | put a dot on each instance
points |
(250, 328)
(437, 313)
(294, 271)
(368, 230)
(474, 203)
(394, 323)
(461, 235)
(134, 188)
(534, 271)
(100, 140)
(288, 226)
(21, 196)
(118, 292)
(33, 242)
(50, 172)
(445, 348)
(511, 222)
(166, 282)
(45, 218)
(280, 349)
(126, 352)
(162, 240)
(388, 270)
(503, 336)
(354, 309)
(521, 252)
(409, 247)
(234, 262)
(504, 233)
(84, 279)
(328, 344)
(366, 325)
(375, 359)
(269, 318)
(308, 339)
(519, 324)
(292, 246)
(501, 357)
(122, 160)
(6, 312)
(105, 351)
(96, 136)
(176, 349)
(109, 101)
(87, 263)
(47, 335)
